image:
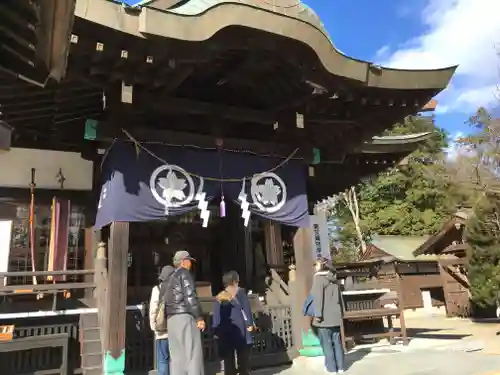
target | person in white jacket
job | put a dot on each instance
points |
(162, 351)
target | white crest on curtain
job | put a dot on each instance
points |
(268, 192)
(172, 186)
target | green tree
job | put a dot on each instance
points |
(477, 171)
(410, 199)
(483, 235)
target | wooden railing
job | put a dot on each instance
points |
(273, 343)
(45, 287)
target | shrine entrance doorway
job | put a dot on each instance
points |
(226, 244)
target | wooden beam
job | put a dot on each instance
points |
(459, 277)
(177, 80)
(242, 68)
(109, 131)
(401, 306)
(44, 196)
(53, 35)
(165, 103)
(114, 312)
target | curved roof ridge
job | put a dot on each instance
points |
(403, 137)
(297, 10)
(297, 22)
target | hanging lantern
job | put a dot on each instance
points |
(5, 136)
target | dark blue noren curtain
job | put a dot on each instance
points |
(137, 187)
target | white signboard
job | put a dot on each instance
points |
(51, 167)
(321, 242)
(5, 235)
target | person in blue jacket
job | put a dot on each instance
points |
(233, 325)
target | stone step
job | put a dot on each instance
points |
(91, 334)
(91, 360)
(89, 320)
(91, 347)
(92, 370)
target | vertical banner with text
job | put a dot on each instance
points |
(320, 239)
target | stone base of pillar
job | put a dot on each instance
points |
(114, 366)
(311, 346)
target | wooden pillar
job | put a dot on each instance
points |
(295, 313)
(302, 246)
(402, 322)
(92, 237)
(274, 244)
(114, 314)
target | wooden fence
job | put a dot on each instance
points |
(273, 343)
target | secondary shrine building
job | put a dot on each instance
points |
(130, 132)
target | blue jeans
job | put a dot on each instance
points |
(331, 344)
(162, 357)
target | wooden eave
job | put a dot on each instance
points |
(333, 176)
(433, 240)
(394, 144)
(240, 80)
(34, 38)
(374, 254)
(51, 117)
(54, 35)
(210, 21)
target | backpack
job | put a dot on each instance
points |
(308, 306)
(161, 316)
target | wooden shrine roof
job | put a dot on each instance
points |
(333, 176)
(201, 20)
(397, 247)
(34, 38)
(245, 71)
(437, 243)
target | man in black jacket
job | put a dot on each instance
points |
(184, 319)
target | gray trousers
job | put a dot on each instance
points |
(186, 351)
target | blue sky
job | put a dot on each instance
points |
(425, 34)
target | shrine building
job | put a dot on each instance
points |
(218, 127)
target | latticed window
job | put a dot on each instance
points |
(20, 253)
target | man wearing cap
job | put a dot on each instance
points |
(184, 319)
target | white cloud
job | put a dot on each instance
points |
(382, 52)
(463, 32)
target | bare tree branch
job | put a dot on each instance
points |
(350, 200)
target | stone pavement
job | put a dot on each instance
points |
(419, 362)
(438, 346)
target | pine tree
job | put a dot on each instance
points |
(478, 173)
(483, 236)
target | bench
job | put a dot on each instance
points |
(60, 340)
(372, 315)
